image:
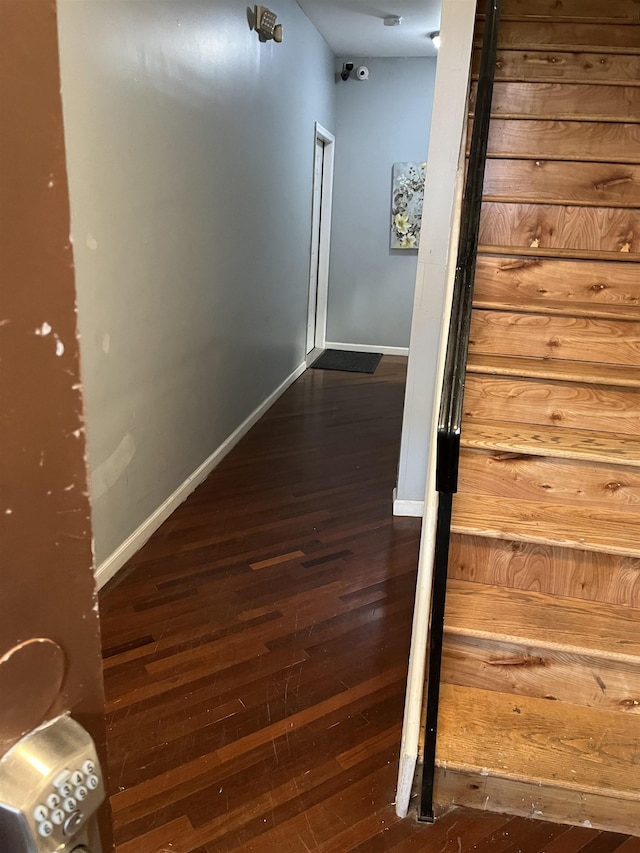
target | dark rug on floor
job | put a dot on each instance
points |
(354, 362)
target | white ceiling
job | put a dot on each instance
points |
(355, 27)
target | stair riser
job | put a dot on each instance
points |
(531, 799)
(628, 9)
(564, 140)
(554, 182)
(556, 481)
(559, 404)
(529, 670)
(569, 338)
(546, 226)
(576, 101)
(539, 35)
(548, 569)
(560, 65)
(561, 285)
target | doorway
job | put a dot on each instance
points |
(323, 160)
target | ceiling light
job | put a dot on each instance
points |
(435, 38)
(392, 20)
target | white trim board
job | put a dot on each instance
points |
(436, 271)
(324, 248)
(112, 565)
(409, 509)
(367, 348)
(316, 352)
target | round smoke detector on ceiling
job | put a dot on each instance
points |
(392, 20)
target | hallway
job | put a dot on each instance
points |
(256, 649)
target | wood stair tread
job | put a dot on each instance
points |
(549, 441)
(570, 79)
(566, 47)
(533, 198)
(518, 65)
(533, 78)
(559, 115)
(560, 370)
(564, 19)
(542, 252)
(616, 9)
(566, 624)
(597, 310)
(623, 36)
(524, 738)
(583, 527)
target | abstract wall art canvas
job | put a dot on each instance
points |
(407, 195)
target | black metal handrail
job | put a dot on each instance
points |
(450, 418)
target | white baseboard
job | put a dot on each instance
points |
(109, 568)
(311, 356)
(367, 348)
(413, 509)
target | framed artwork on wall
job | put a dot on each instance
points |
(407, 196)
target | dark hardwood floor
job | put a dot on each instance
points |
(256, 650)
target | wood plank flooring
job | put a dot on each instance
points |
(256, 649)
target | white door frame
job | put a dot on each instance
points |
(326, 200)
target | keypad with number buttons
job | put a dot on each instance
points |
(61, 808)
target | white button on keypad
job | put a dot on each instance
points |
(41, 812)
(61, 778)
(92, 782)
(57, 816)
(88, 767)
(53, 801)
(69, 805)
(65, 789)
(81, 793)
(45, 829)
(77, 778)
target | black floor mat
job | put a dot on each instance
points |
(354, 362)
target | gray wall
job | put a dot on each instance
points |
(190, 155)
(378, 122)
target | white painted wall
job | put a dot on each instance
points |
(378, 122)
(190, 156)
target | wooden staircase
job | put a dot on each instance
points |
(540, 695)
